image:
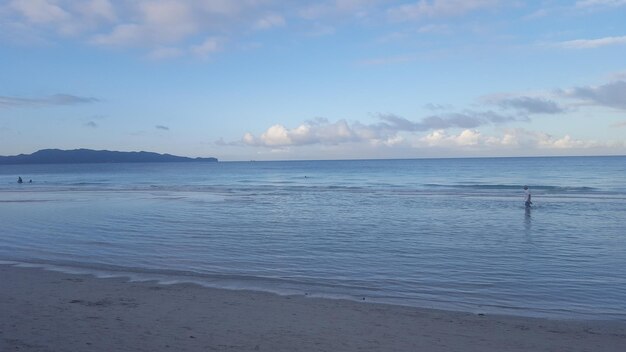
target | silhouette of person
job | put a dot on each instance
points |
(19, 180)
(527, 197)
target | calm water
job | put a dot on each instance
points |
(446, 233)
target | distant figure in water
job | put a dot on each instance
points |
(30, 181)
(19, 180)
(527, 201)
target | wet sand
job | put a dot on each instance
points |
(49, 311)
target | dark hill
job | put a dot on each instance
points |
(82, 156)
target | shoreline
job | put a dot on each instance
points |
(46, 310)
(232, 284)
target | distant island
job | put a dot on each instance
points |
(84, 156)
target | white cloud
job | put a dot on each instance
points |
(276, 135)
(156, 23)
(96, 9)
(440, 138)
(248, 139)
(319, 131)
(468, 137)
(592, 43)
(393, 141)
(40, 11)
(270, 21)
(389, 131)
(595, 3)
(540, 140)
(520, 140)
(227, 7)
(541, 13)
(57, 16)
(436, 107)
(124, 34)
(152, 25)
(454, 129)
(148, 24)
(510, 139)
(321, 30)
(334, 8)
(163, 53)
(169, 20)
(568, 142)
(617, 76)
(206, 48)
(438, 8)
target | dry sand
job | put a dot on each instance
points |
(50, 311)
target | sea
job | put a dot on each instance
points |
(450, 234)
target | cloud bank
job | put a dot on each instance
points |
(526, 104)
(385, 132)
(164, 28)
(168, 28)
(611, 95)
(339, 134)
(457, 129)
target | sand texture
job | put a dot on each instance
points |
(50, 311)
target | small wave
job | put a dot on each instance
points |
(27, 200)
(271, 284)
(546, 188)
(88, 183)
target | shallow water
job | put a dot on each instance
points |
(442, 233)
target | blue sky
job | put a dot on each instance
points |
(273, 79)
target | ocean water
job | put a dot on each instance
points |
(439, 233)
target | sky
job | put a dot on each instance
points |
(328, 79)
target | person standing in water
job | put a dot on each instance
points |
(527, 197)
(19, 180)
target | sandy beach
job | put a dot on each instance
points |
(51, 311)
